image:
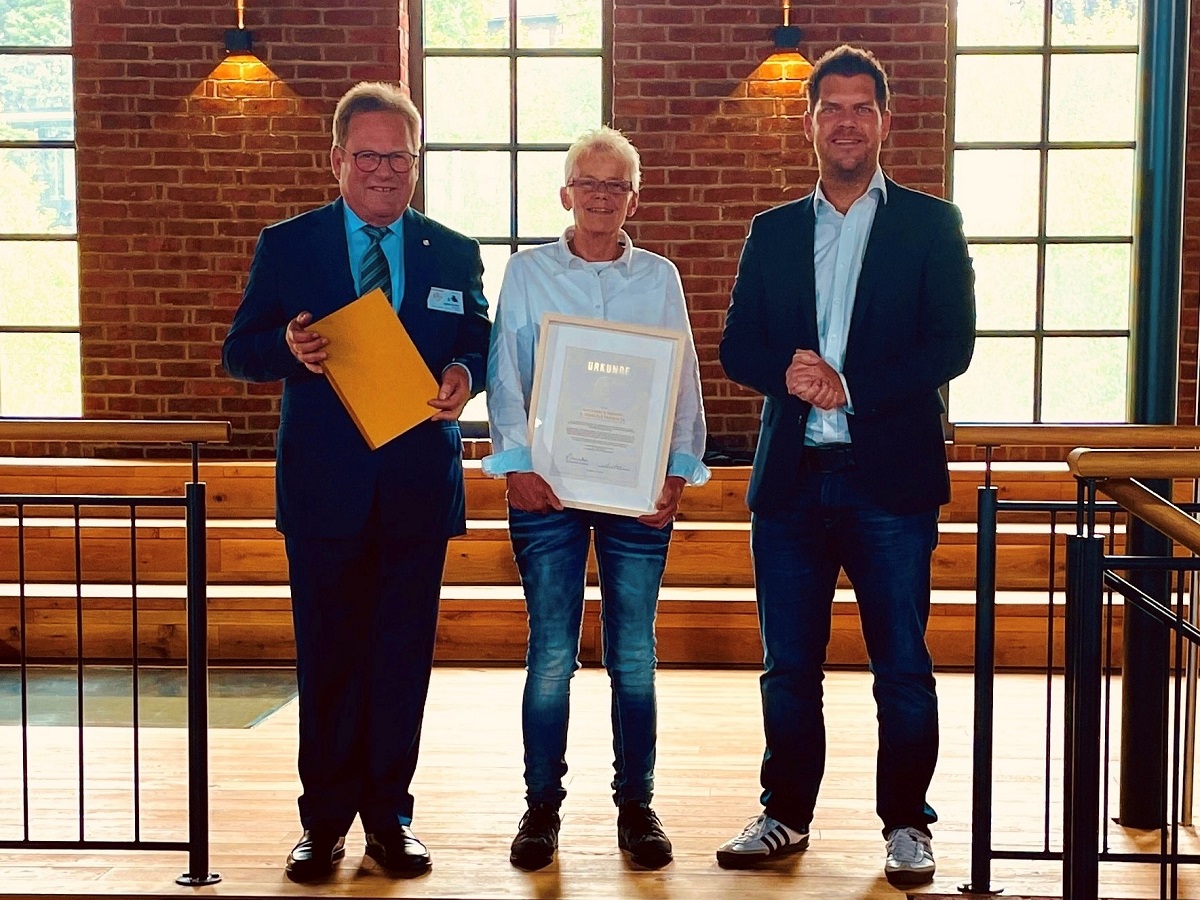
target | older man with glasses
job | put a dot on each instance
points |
(592, 271)
(365, 530)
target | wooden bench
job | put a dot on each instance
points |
(706, 612)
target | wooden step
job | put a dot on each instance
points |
(247, 489)
(251, 550)
(487, 624)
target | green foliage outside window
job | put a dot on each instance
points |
(35, 23)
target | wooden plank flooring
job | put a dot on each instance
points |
(469, 791)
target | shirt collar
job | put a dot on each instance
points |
(354, 223)
(878, 183)
(570, 260)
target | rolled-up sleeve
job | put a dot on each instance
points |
(510, 376)
(689, 432)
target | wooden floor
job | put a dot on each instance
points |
(469, 791)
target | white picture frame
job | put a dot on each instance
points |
(603, 410)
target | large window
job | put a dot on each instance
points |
(505, 86)
(39, 257)
(1042, 165)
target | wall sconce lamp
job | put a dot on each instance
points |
(787, 36)
(239, 40)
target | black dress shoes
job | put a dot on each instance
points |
(314, 855)
(399, 851)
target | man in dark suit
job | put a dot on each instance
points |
(852, 306)
(365, 531)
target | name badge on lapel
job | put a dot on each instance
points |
(444, 300)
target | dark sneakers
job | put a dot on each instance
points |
(537, 838)
(641, 835)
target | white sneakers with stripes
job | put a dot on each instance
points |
(909, 858)
(764, 838)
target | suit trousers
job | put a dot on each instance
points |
(834, 524)
(365, 614)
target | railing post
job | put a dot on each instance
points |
(985, 660)
(1081, 775)
(197, 689)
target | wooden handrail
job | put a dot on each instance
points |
(143, 431)
(1088, 463)
(1159, 513)
(1076, 435)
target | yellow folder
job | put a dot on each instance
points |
(376, 369)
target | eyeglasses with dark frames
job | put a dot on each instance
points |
(612, 186)
(401, 161)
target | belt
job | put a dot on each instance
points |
(827, 458)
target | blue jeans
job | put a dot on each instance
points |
(551, 551)
(833, 525)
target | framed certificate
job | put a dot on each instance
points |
(602, 411)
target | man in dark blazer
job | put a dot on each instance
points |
(851, 308)
(365, 531)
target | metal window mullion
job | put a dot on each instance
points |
(501, 147)
(71, 237)
(39, 329)
(38, 145)
(1043, 178)
(1055, 241)
(416, 78)
(36, 50)
(1045, 145)
(606, 61)
(1052, 333)
(514, 225)
(1031, 49)
(504, 52)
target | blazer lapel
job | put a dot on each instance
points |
(885, 236)
(418, 277)
(800, 259)
(331, 255)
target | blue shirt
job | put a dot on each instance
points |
(393, 248)
(839, 244)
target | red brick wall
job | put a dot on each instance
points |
(1190, 295)
(182, 159)
(183, 156)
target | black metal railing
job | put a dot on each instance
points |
(1094, 589)
(29, 511)
(1093, 580)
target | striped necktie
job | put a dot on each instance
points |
(375, 270)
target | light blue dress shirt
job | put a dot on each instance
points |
(839, 244)
(393, 249)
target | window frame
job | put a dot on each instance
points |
(418, 53)
(1046, 51)
(59, 236)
